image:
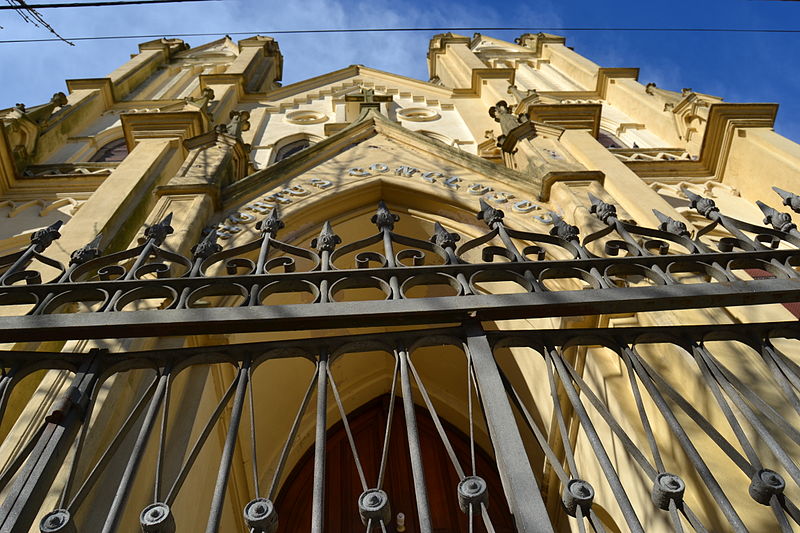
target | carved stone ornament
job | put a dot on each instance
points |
(501, 113)
(327, 239)
(489, 214)
(158, 232)
(383, 218)
(442, 237)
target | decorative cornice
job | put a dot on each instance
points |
(723, 121)
(585, 176)
(478, 77)
(104, 85)
(179, 125)
(605, 76)
(538, 40)
(568, 116)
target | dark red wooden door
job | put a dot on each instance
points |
(343, 486)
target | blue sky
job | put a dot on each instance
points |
(739, 67)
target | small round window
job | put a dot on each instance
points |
(418, 114)
(306, 117)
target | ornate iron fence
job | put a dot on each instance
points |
(149, 291)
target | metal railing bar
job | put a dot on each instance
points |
(14, 466)
(562, 425)
(320, 439)
(347, 430)
(287, 446)
(223, 473)
(198, 444)
(713, 486)
(417, 468)
(436, 421)
(162, 443)
(592, 436)
(388, 432)
(123, 490)
(109, 452)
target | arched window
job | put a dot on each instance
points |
(292, 148)
(292, 144)
(112, 152)
(609, 140)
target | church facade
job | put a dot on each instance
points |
(530, 294)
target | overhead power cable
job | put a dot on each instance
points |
(99, 4)
(398, 30)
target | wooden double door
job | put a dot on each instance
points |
(343, 487)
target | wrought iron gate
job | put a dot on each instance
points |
(149, 291)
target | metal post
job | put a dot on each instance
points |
(318, 504)
(123, 490)
(32, 484)
(417, 468)
(215, 515)
(522, 493)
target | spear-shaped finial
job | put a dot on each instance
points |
(779, 221)
(444, 238)
(207, 247)
(602, 210)
(704, 206)
(42, 238)
(671, 225)
(327, 239)
(383, 218)
(158, 232)
(790, 199)
(489, 214)
(561, 228)
(87, 252)
(272, 224)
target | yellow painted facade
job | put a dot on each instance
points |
(212, 137)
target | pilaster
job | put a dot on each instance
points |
(622, 183)
(121, 200)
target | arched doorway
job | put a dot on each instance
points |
(343, 487)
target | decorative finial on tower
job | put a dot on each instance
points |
(240, 121)
(442, 237)
(383, 218)
(327, 239)
(671, 225)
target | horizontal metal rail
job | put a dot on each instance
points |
(168, 322)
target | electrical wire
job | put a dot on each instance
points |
(110, 3)
(411, 30)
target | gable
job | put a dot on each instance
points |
(376, 160)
